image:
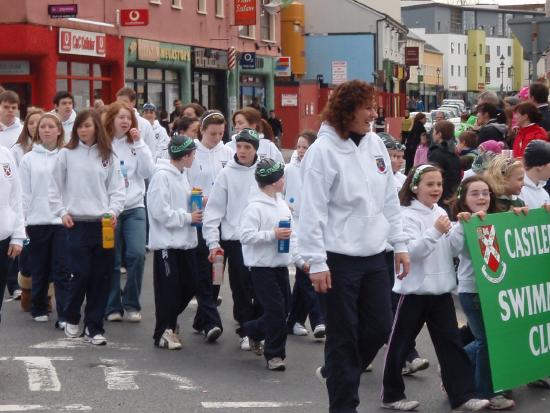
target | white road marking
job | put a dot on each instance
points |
(183, 383)
(41, 372)
(249, 405)
(76, 343)
(117, 377)
(36, 407)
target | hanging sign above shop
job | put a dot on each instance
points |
(283, 67)
(245, 12)
(248, 60)
(134, 17)
(80, 42)
(209, 58)
(62, 11)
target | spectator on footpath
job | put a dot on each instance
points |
(528, 118)
(193, 110)
(406, 125)
(420, 105)
(276, 126)
(536, 159)
(177, 112)
(413, 140)
(380, 121)
(347, 267)
(538, 94)
(256, 104)
(10, 125)
(488, 127)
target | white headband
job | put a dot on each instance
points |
(211, 114)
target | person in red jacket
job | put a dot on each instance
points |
(528, 116)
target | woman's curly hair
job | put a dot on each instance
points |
(344, 101)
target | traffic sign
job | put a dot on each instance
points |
(134, 17)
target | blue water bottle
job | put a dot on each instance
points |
(124, 172)
(283, 245)
(196, 202)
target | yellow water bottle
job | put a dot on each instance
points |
(107, 232)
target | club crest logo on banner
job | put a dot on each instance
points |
(7, 170)
(490, 250)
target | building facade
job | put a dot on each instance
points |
(479, 52)
(181, 53)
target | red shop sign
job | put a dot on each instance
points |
(134, 17)
(245, 12)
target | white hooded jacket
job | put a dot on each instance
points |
(293, 186)
(146, 132)
(258, 220)
(161, 141)
(167, 206)
(228, 198)
(85, 186)
(431, 252)
(10, 134)
(207, 164)
(533, 193)
(139, 165)
(35, 174)
(11, 211)
(349, 203)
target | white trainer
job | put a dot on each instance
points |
(116, 316)
(319, 332)
(71, 330)
(473, 405)
(133, 316)
(299, 330)
(96, 339)
(418, 364)
(170, 340)
(41, 319)
(245, 344)
(404, 405)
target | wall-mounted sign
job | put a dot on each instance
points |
(248, 60)
(151, 51)
(283, 66)
(288, 99)
(62, 11)
(209, 58)
(245, 12)
(134, 17)
(339, 71)
(412, 56)
(83, 43)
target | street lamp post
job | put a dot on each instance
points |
(438, 71)
(502, 75)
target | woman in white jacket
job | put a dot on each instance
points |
(426, 297)
(86, 185)
(210, 158)
(48, 237)
(136, 165)
(173, 239)
(24, 142)
(12, 227)
(349, 211)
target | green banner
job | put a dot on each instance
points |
(511, 259)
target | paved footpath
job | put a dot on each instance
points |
(40, 370)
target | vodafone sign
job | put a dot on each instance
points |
(81, 43)
(134, 17)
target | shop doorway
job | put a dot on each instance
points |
(23, 87)
(210, 89)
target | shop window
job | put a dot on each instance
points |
(219, 8)
(247, 31)
(85, 81)
(201, 6)
(176, 4)
(267, 25)
(158, 86)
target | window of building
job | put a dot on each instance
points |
(491, 31)
(452, 47)
(438, 26)
(500, 24)
(468, 20)
(219, 8)
(452, 70)
(510, 69)
(267, 25)
(201, 6)
(509, 51)
(498, 72)
(247, 31)
(487, 74)
(498, 50)
(456, 20)
(86, 81)
(481, 49)
(458, 44)
(507, 31)
(176, 4)
(487, 50)
(154, 1)
(458, 71)
(158, 86)
(465, 71)
(481, 71)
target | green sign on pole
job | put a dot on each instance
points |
(511, 259)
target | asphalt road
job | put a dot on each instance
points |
(40, 370)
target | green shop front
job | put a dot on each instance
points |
(158, 72)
